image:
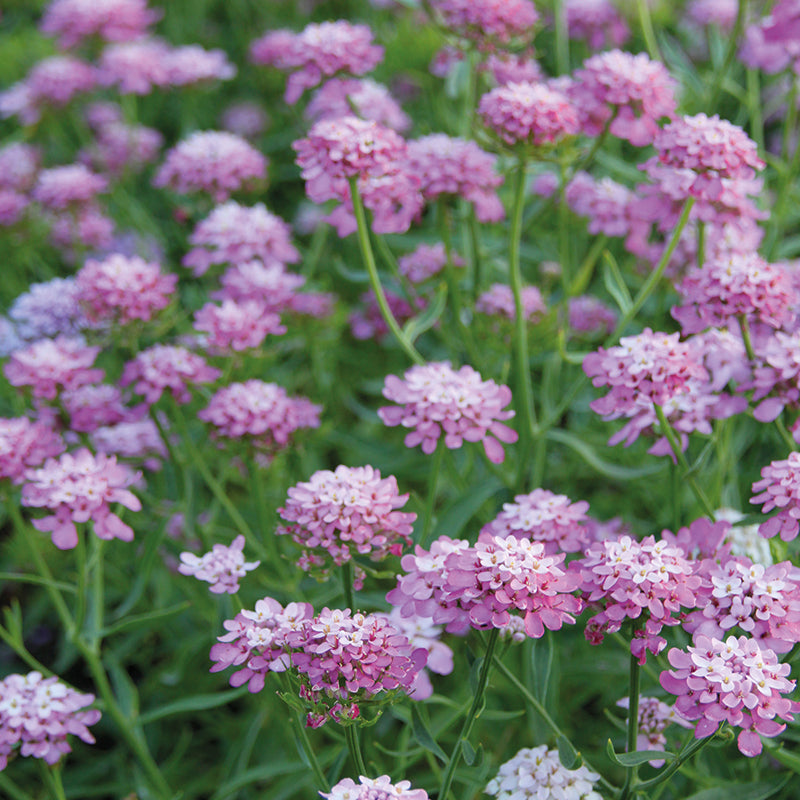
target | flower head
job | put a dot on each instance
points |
(434, 399)
(74, 185)
(597, 22)
(222, 566)
(498, 301)
(426, 262)
(25, 444)
(72, 21)
(779, 487)
(341, 97)
(48, 309)
(374, 789)
(655, 716)
(237, 325)
(483, 20)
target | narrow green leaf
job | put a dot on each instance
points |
(638, 757)
(423, 734)
(200, 702)
(124, 687)
(569, 757)
(542, 666)
(351, 275)
(140, 619)
(739, 791)
(473, 757)
(612, 279)
(494, 715)
(455, 517)
(474, 674)
(416, 326)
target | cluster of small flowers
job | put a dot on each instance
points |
(628, 579)
(721, 13)
(320, 50)
(25, 444)
(341, 97)
(271, 285)
(485, 20)
(435, 399)
(605, 202)
(93, 405)
(137, 67)
(222, 566)
(48, 309)
(597, 22)
(68, 187)
(264, 412)
(734, 681)
(655, 716)
(134, 439)
(165, 366)
(380, 788)
(529, 113)
(425, 262)
(773, 43)
(236, 325)
(342, 659)
(779, 487)
(591, 316)
(629, 93)
(461, 585)
(236, 234)
(80, 487)
(123, 289)
(38, 714)
(537, 774)
(543, 516)
(512, 68)
(448, 166)
(244, 118)
(368, 322)
(774, 376)
(73, 21)
(347, 511)
(732, 285)
(49, 366)
(216, 162)
(498, 301)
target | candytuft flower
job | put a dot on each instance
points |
(222, 566)
(374, 789)
(72, 21)
(25, 444)
(779, 487)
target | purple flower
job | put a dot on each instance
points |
(779, 487)
(25, 444)
(374, 789)
(222, 566)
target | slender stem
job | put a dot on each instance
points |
(82, 567)
(675, 765)
(674, 444)
(647, 30)
(375, 281)
(633, 722)
(744, 327)
(542, 712)
(483, 679)
(562, 37)
(524, 403)
(347, 585)
(730, 55)
(430, 500)
(475, 254)
(564, 260)
(655, 276)
(785, 435)
(98, 590)
(351, 735)
(322, 782)
(11, 788)
(52, 776)
(701, 243)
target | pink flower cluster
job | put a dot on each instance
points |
(597, 22)
(215, 162)
(235, 234)
(368, 322)
(487, 19)
(38, 714)
(350, 510)
(498, 301)
(605, 202)
(49, 366)
(271, 285)
(72, 21)
(591, 316)
(136, 439)
(629, 93)
(627, 579)
(374, 789)
(529, 113)
(118, 147)
(341, 97)
(734, 681)
(91, 406)
(448, 166)
(461, 585)
(237, 325)
(319, 51)
(342, 659)
(222, 566)
(264, 412)
(543, 516)
(736, 284)
(779, 488)
(123, 289)
(25, 444)
(773, 43)
(80, 487)
(165, 366)
(66, 187)
(434, 399)
(425, 262)
(655, 716)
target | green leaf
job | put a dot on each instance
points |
(423, 734)
(474, 674)
(638, 757)
(542, 666)
(139, 619)
(472, 757)
(739, 791)
(495, 715)
(569, 757)
(350, 275)
(612, 279)
(587, 452)
(199, 702)
(416, 326)
(124, 687)
(453, 520)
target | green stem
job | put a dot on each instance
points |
(655, 276)
(483, 679)
(685, 754)
(730, 55)
(674, 444)
(787, 182)
(647, 30)
(524, 398)
(562, 37)
(347, 585)
(375, 281)
(11, 788)
(701, 243)
(52, 777)
(564, 260)
(475, 254)
(785, 435)
(744, 327)
(634, 680)
(82, 566)
(542, 712)
(351, 735)
(319, 775)
(430, 500)
(98, 590)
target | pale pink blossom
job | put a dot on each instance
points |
(222, 566)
